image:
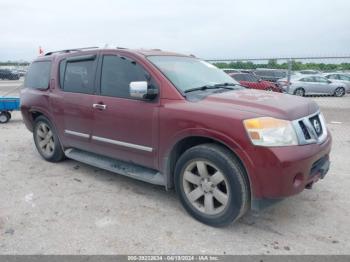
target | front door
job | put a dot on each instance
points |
(124, 128)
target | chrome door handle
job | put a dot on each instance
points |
(99, 106)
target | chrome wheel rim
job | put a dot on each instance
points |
(206, 187)
(45, 140)
(299, 92)
(339, 92)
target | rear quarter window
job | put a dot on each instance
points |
(38, 75)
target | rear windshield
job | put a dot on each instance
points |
(38, 75)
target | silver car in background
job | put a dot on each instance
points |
(302, 85)
(342, 77)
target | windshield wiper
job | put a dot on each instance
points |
(215, 86)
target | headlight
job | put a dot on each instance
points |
(268, 131)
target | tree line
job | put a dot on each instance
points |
(296, 65)
(10, 63)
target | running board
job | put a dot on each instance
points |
(116, 166)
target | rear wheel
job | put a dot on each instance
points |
(340, 91)
(211, 185)
(4, 117)
(299, 92)
(46, 140)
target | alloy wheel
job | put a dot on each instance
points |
(339, 92)
(45, 140)
(299, 92)
(206, 187)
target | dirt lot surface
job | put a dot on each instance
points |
(72, 208)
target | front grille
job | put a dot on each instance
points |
(311, 129)
(316, 125)
(305, 131)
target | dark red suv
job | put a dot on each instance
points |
(252, 81)
(176, 121)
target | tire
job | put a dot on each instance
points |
(269, 89)
(47, 141)
(339, 92)
(213, 200)
(4, 117)
(299, 92)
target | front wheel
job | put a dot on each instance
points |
(46, 140)
(340, 91)
(212, 185)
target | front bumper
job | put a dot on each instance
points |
(285, 171)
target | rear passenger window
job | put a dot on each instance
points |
(238, 77)
(117, 73)
(79, 77)
(38, 75)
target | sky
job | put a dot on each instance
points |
(208, 29)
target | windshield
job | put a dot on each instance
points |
(187, 73)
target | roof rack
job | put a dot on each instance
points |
(70, 50)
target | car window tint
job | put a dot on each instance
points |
(332, 76)
(344, 77)
(79, 77)
(117, 73)
(238, 77)
(307, 79)
(38, 75)
(253, 78)
(280, 74)
(320, 79)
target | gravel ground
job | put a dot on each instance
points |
(72, 208)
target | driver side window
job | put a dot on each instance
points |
(117, 73)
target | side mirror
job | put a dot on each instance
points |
(141, 90)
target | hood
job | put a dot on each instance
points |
(264, 103)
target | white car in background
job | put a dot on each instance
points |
(302, 85)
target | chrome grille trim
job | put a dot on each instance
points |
(314, 138)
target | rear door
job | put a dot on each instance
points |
(125, 128)
(77, 82)
(308, 84)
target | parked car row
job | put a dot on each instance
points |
(7, 74)
(301, 83)
(267, 74)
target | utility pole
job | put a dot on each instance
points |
(289, 73)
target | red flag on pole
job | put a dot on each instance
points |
(41, 51)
